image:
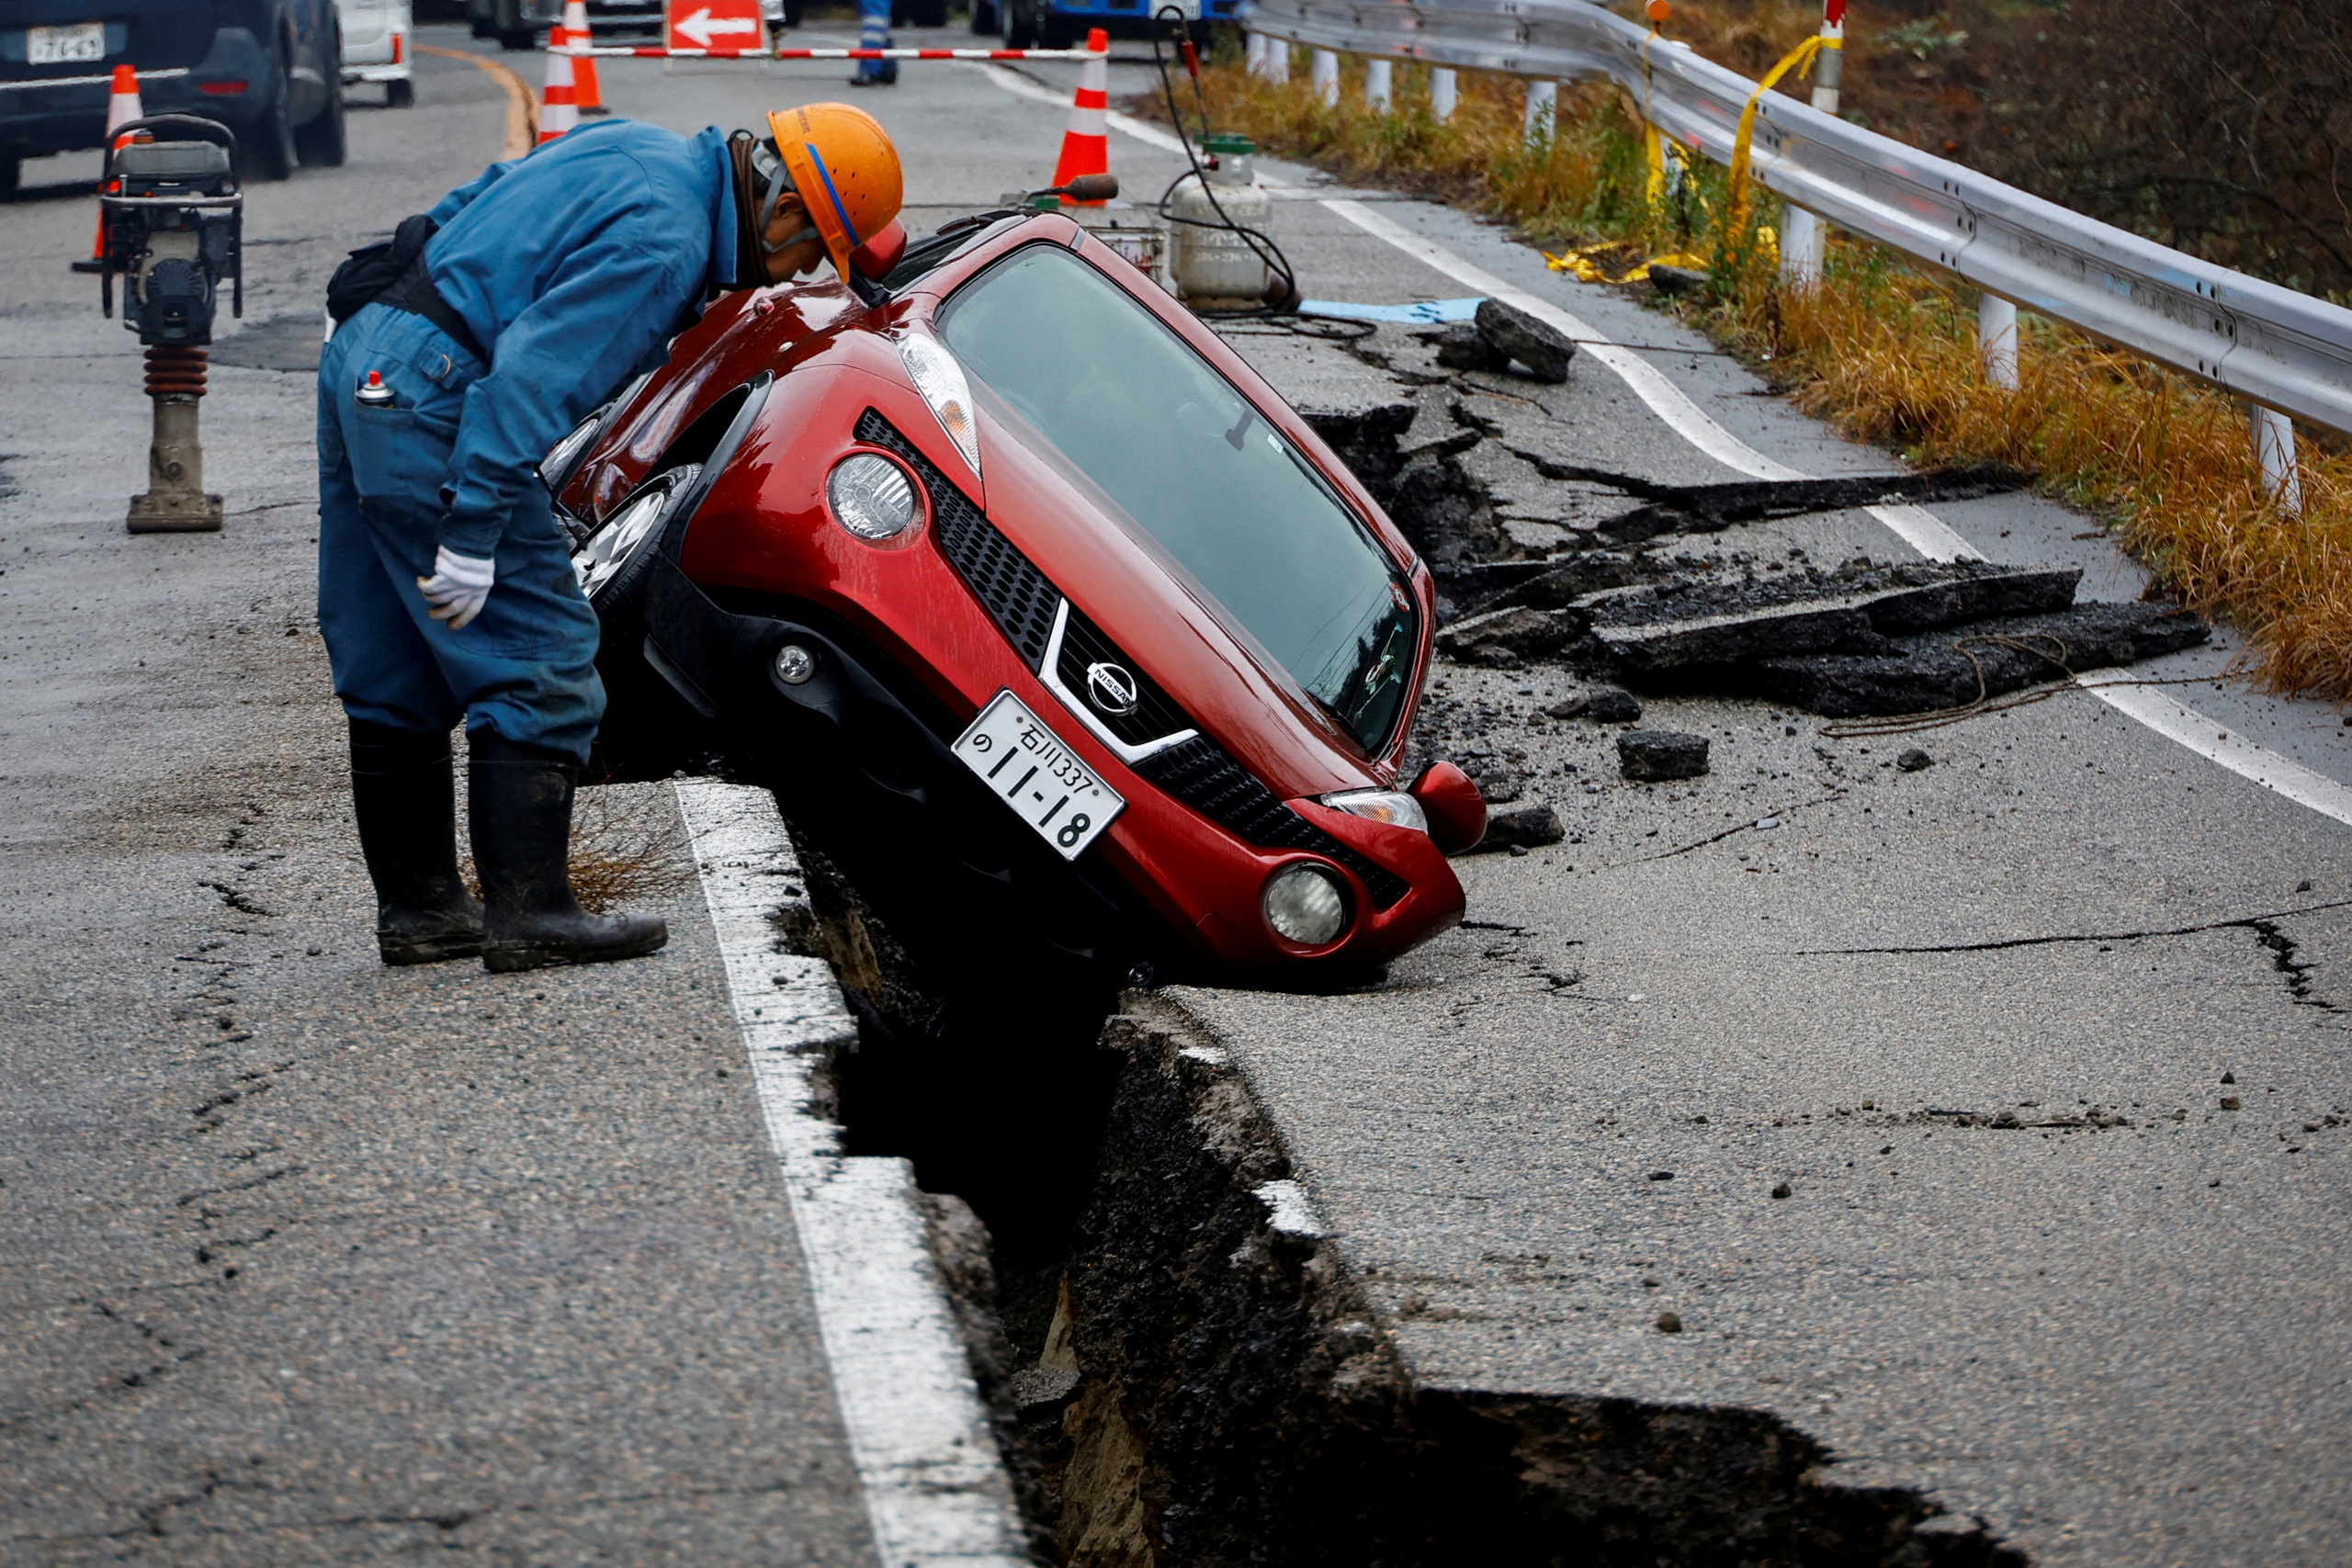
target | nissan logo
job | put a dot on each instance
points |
(1111, 689)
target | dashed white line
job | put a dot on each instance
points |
(936, 1489)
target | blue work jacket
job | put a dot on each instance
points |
(573, 265)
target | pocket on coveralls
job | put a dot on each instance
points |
(400, 455)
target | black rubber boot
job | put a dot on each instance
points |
(521, 803)
(404, 795)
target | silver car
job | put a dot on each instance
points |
(377, 36)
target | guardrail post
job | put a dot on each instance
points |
(2274, 443)
(1253, 54)
(1275, 64)
(1327, 77)
(1379, 81)
(1441, 94)
(1804, 236)
(1542, 101)
(1996, 340)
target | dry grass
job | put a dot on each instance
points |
(621, 851)
(1885, 351)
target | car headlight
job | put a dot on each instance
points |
(1392, 807)
(941, 382)
(871, 496)
(1305, 904)
(564, 456)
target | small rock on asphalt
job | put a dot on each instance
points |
(1670, 1322)
(1513, 332)
(1782, 1190)
(1521, 828)
(1913, 760)
(1611, 704)
(1652, 755)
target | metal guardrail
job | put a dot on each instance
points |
(2269, 345)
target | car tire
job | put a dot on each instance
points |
(1020, 24)
(8, 177)
(518, 38)
(927, 12)
(400, 95)
(986, 18)
(265, 148)
(324, 142)
(792, 9)
(1057, 31)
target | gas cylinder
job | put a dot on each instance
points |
(1213, 266)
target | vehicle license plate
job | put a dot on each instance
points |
(1031, 771)
(65, 46)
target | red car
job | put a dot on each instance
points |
(1035, 604)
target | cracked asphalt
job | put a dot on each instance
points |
(1987, 1122)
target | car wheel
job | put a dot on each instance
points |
(985, 18)
(615, 562)
(265, 148)
(323, 143)
(400, 95)
(518, 37)
(1057, 31)
(8, 177)
(1020, 24)
(792, 9)
(927, 12)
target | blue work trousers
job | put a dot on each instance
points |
(527, 665)
(874, 32)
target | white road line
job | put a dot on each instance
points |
(935, 1487)
(1014, 82)
(1915, 525)
(2176, 721)
(1922, 530)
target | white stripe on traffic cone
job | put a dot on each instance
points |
(559, 106)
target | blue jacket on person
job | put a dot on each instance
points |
(574, 267)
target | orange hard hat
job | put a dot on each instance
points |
(844, 165)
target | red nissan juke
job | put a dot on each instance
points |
(1035, 604)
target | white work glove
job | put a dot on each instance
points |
(458, 587)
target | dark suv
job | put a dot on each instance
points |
(270, 70)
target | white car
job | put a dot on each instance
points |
(376, 47)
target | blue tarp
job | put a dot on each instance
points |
(1423, 313)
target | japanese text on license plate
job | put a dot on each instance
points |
(1029, 768)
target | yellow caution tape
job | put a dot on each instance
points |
(1799, 58)
(1586, 270)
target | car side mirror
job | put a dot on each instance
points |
(875, 258)
(1457, 812)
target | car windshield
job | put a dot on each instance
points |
(1125, 402)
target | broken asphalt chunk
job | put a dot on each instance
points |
(1651, 756)
(1514, 332)
(1518, 631)
(1912, 761)
(1951, 668)
(1464, 347)
(1520, 829)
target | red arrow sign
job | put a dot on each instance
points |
(715, 23)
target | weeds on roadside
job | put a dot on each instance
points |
(1886, 351)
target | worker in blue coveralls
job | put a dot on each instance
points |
(446, 585)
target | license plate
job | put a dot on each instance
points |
(65, 46)
(1017, 755)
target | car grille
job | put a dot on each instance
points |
(1021, 602)
(1204, 776)
(1015, 593)
(1083, 647)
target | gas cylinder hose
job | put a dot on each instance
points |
(1260, 244)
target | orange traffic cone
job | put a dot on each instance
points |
(558, 106)
(587, 97)
(1086, 145)
(122, 108)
